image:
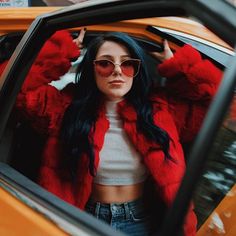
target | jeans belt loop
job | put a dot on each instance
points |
(97, 208)
(127, 211)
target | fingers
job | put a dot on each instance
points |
(157, 55)
(80, 38)
(165, 54)
(160, 56)
(166, 45)
(81, 35)
(167, 51)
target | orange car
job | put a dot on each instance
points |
(26, 208)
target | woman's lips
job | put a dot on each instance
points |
(116, 82)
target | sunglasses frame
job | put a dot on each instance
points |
(119, 64)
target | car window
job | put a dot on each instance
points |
(218, 180)
(232, 2)
(25, 136)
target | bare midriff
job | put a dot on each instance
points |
(116, 194)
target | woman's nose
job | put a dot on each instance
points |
(117, 69)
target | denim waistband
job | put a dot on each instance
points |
(115, 209)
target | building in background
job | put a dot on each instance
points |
(14, 3)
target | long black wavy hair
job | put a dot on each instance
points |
(81, 115)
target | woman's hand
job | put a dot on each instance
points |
(80, 38)
(166, 54)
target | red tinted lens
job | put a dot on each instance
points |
(130, 68)
(104, 67)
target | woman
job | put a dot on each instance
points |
(114, 140)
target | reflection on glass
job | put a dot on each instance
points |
(233, 2)
(216, 194)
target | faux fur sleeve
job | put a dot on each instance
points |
(191, 84)
(2, 66)
(189, 76)
(44, 107)
(42, 104)
(53, 61)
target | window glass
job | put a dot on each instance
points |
(215, 195)
(232, 2)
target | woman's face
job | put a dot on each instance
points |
(114, 84)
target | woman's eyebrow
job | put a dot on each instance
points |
(112, 57)
(126, 56)
(106, 56)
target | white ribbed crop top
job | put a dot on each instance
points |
(120, 163)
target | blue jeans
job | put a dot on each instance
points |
(129, 217)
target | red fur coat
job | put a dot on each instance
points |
(191, 83)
